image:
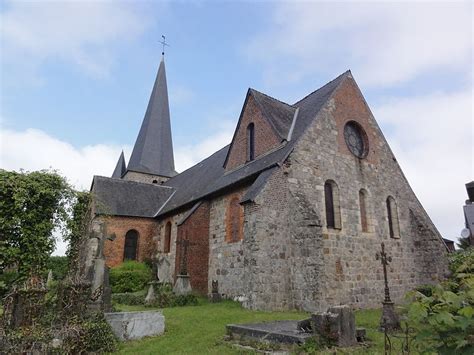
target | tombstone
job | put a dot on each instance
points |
(182, 285)
(336, 325)
(50, 279)
(150, 296)
(164, 270)
(215, 295)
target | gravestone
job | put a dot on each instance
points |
(337, 325)
(215, 295)
(164, 270)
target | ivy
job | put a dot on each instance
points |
(32, 205)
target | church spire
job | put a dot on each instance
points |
(120, 168)
(153, 150)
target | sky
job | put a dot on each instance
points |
(75, 79)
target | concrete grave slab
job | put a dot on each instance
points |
(286, 332)
(136, 325)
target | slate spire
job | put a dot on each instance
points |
(120, 168)
(153, 150)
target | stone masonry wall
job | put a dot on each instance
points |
(147, 229)
(350, 273)
(226, 259)
(146, 178)
(265, 137)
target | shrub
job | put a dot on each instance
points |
(129, 299)
(58, 265)
(130, 276)
(7, 278)
(444, 319)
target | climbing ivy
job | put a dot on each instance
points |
(32, 205)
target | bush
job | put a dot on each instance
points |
(444, 319)
(7, 278)
(58, 265)
(130, 276)
(129, 299)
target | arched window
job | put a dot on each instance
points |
(131, 245)
(250, 142)
(234, 231)
(333, 210)
(167, 241)
(392, 215)
(363, 210)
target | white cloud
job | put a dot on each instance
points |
(80, 32)
(34, 149)
(188, 155)
(384, 43)
(432, 138)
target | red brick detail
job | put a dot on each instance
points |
(196, 230)
(265, 137)
(351, 106)
(234, 218)
(146, 228)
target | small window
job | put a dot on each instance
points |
(363, 210)
(250, 142)
(167, 241)
(131, 245)
(333, 211)
(234, 214)
(392, 216)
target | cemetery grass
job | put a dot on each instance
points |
(201, 329)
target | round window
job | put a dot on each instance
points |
(356, 139)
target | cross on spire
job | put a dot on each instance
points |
(164, 44)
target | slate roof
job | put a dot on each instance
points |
(209, 177)
(153, 150)
(279, 114)
(120, 168)
(128, 198)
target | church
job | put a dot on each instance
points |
(289, 215)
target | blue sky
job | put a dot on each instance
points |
(76, 77)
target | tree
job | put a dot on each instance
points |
(32, 205)
(464, 243)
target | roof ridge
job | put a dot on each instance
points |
(329, 82)
(271, 97)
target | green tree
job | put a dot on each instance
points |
(32, 205)
(464, 243)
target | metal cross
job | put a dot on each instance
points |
(163, 42)
(184, 243)
(385, 260)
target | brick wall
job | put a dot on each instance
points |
(147, 229)
(265, 137)
(196, 230)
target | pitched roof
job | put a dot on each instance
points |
(128, 198)
(279, 114)
(120, 168)
(209, 177)
(153, 150)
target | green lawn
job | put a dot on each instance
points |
(200, 330)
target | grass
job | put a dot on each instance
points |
(201, 329)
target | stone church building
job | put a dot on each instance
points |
(289, 215)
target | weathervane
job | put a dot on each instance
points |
(163, 42)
